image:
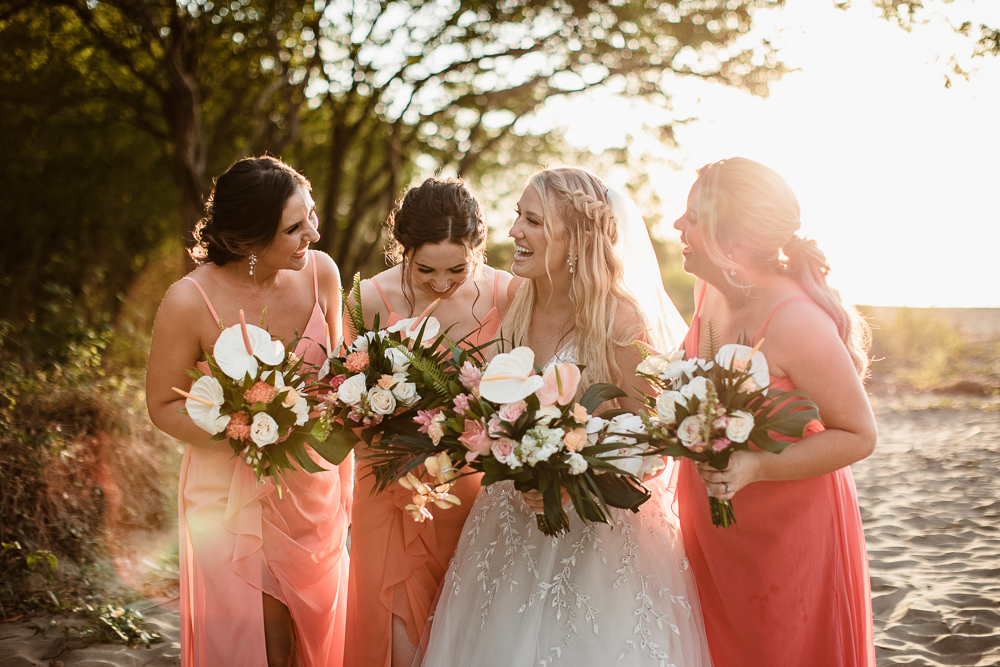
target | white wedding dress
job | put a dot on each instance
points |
(598, 595)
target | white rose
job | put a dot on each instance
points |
(352, 389)
(739, 427)
(546, 414)
(697, 387)
(577, 464)
(691, 429)
(301, 410)
(400, 361)
(666, 408)
(263, 429)
(381, 400)
(406, 393)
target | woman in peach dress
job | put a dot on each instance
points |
(438, 238)
(788, 583)
(263, 575)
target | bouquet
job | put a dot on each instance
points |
(512, 423)
(257, 397)
(706, 409)
(381, 374)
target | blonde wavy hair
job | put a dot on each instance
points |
(597, 293)
(744, 203)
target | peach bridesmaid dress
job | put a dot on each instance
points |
(788, 583)
(239, 539)
(397, 564)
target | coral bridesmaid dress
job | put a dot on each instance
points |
(397, 564)
(788, 584)
(239, 539)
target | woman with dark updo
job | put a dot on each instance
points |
(263, 575)
(438, 237)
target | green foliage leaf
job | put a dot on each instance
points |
(599, 393)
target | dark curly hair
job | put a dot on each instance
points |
(243, 211)
(438, 210)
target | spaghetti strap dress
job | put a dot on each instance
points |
(788, 584)
(239, 539)
(397, 564)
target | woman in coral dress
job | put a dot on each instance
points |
(438, 237)
(263, 574)
(788, 583)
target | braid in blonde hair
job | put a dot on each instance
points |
(596, 291)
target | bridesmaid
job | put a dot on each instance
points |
(263, 577)
(438, 238)
(788, 584)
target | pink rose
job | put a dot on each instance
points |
(503, 450)
(720, 444)
(509, 412)
(337, 381)
(494, 425)
(475, 439)
(561, 381)
(470, 376)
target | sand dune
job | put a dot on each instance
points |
(930, 500)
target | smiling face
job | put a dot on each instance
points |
(439, 269)
(530, 242)
(296, 230)
(696, 260)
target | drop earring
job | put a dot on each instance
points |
(732, 272)
(253, 263)
(569, 260)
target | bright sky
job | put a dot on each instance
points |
(897, 176)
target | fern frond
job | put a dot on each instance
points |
(431, 370)
(713, 339)
(355, 313)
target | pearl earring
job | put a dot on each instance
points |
(732, 272)
(253, 262)
(569, 260)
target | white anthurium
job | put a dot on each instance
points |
(508, 377)
(207, 417)
(231, 354)
(410, 327)
(739, 355)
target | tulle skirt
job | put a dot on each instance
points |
(597, 595)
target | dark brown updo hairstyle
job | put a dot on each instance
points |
(244, 209)
(439, 210)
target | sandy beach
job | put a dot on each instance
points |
(930, 500)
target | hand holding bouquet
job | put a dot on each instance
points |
(706, 409)
(256, 396)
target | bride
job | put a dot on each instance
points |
(598, 594)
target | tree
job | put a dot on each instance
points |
(434, 86)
